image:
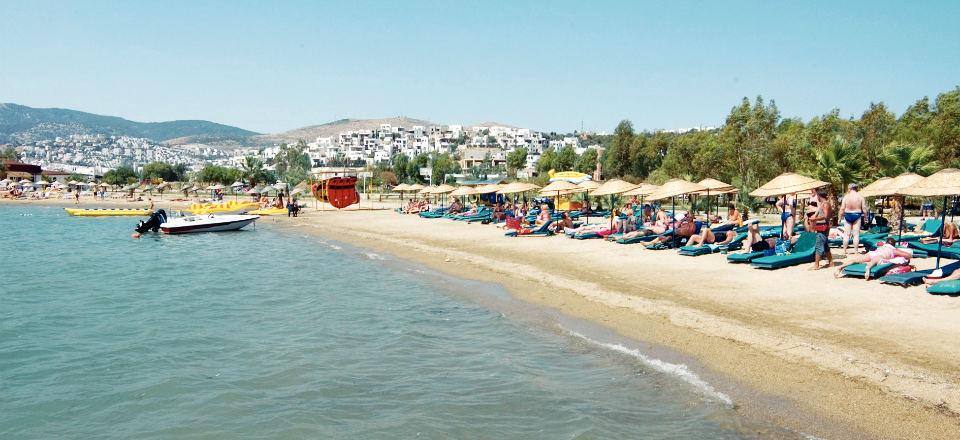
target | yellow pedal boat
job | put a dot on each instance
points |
(107, 212)
(221, 208)
(269, 211)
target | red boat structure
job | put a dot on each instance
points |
(340, 192)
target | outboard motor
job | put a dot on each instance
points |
(153, 223)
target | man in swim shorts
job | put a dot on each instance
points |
(854, 210)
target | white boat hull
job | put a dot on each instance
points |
(207, 223)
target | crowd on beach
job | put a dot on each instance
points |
(813, 229)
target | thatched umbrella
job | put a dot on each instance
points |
(716, 188)
(463, 191)
(611, 188)
(893, 188)
(672, 189)
(644, 190)
(944, 183)
(559, 187)
(784, 184)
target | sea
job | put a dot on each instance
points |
(273, 333)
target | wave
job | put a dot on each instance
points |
(678, 370)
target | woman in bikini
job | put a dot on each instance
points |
(709, 237)
(884, 251)
(788, 207)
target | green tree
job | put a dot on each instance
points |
(9, 154)
(253, 171)
(839, 164)
(616, 159)
(218, 174)
(875, 129)
(76, 177)
(587, 162)
(900, 157)
(293, 164)
(516, 161)
(122, 175)
(399, 164)
(944, 126)
(159, 171)
(566, 159)
(747, 135)
(547, 161)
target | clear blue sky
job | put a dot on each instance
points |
(273, 66)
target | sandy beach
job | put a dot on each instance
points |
(834, 358)
(839, 358)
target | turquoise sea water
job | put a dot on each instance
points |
(273, 334)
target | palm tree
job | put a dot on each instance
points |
(901, 157)
(839, 164)
(253, 170)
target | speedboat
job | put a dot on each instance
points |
(207, 223)
(195, 223)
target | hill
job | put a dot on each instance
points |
(25, 124)
(312, 132)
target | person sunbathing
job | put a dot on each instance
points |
(685, 228)
(565, 223)
(543, 216)
(885, 251)
(931, 281)
(707, 236)
(733, 216)
(950, 235)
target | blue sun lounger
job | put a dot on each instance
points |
(695, 251)
(950, 287)
(802, 252)
(916, 277)
(541, 231)
(859, 269)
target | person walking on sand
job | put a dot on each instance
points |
(150, 208)
(76, 196)
(854, 211)
(820, 213)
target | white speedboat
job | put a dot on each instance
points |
(206, 223)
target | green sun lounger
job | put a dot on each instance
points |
(802, 252)
(933, 249)
(837, 242)
(951, 287)
(695, 251)
(744, 257)
(542, 231)
(916, 277)
(858, 270)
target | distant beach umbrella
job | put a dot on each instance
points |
(426, 190)
(613, 187)
(943, 183)
(401, 188)
(464, 191)
(442, 189)
(42, 183)
(25, 182)
(415, 187)
(517, 187)
(487, 189)
(236, 184)
(672, 189)
(876, 188)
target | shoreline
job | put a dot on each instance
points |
(810, 378)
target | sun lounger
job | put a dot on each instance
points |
(930, 228)
(837, 242)
(744, 257)
(694, 251)
(541, 231)
(950, 287)
(643, 239)
(858, 270)
(802, 252)
(916, 277)
(934, 249)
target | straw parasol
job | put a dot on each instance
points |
(517, 187)
(876, 188)
(672, 189)
(787, 183)
(613, 187)
(559, 187)
(487, 189)
(415, 187)
(426, 190)
(401, 188)
(717, 188)
(893, 187)
(944, 183)
(442, 189)
(464, 191)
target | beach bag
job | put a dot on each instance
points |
(513, 223)
(900, 269)
(782, 247)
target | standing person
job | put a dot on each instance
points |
(76, 196)
(820, 219)
(150, 208)
(854, 211)
(788, 206)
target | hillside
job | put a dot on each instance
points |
(312, 132)
(25, 124)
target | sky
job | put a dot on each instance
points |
(549, 65)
